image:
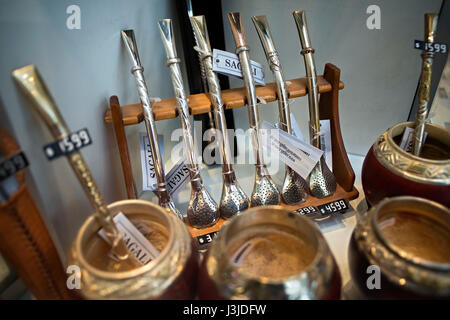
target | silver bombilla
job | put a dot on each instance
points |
(233, 199)
(265, 191)
(137, 70)
(321, 180)
(202, 210)
(295, 189)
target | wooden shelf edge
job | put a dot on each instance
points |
(200, 103)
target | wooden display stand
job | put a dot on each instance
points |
(329, 86)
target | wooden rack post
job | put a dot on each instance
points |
(329, 86)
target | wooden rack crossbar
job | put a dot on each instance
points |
(329, 86)
(201, 103)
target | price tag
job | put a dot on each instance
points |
(336, 206)
(407, 142)
(13, 165)
(308, 210)
(430, 46)
(73, 142)
(206, 238)
(228, 64)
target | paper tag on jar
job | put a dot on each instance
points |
(407, 142)
(149, 182)
(228, 64)
(138, 245)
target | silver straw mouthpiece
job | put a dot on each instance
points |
(265, 191)
(295, 188)
(321, 180)
(202, 210)
(164, 198)
(233, 199)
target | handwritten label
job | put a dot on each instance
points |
(12, 165)
(73, 142)
(298, 155)
(227, 63)
(135, 241)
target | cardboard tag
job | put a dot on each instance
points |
(227, 63)
(325, 142)
(149, 182)
(298, 155)
(407, 142)
(138, 245)
(178, 176)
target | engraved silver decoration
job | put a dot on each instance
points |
(321, 181)
(137, 70)
(202, 210)
(233, 199)
(295, 188)
(265, 191)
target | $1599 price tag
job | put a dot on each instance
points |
(67, 145)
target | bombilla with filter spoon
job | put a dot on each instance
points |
(137, 70)
(321, 181)
(31, 83)
(233, 199)
(295, 189)
(202, 210)
(265, 191)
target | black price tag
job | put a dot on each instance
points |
(430, 46)
(206, 238)
(73, 142)
(308, 210)
(336, 206)
(13, 165)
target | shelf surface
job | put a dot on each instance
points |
(200, 103)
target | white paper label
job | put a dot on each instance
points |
(298, 155)
(325, 142)
(138, 245)
(227, 63)
(407, 142)
(149, 182)
(178, 176)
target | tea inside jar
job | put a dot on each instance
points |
(417, 235)
(272, 254)
(97, 251)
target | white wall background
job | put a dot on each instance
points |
(380, 68)
(83, 68)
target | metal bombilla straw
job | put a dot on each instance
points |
(431, 21)
(233, 199)
(265, 191)
(137, 70)
(31, 83)
(202, 210)
(202, 69)
(321, 181)
(295, 188)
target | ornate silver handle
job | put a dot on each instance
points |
(431, 21)
(34, 87)
(313, 90)
(204, 48)
(242, 51)
(138, 71)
